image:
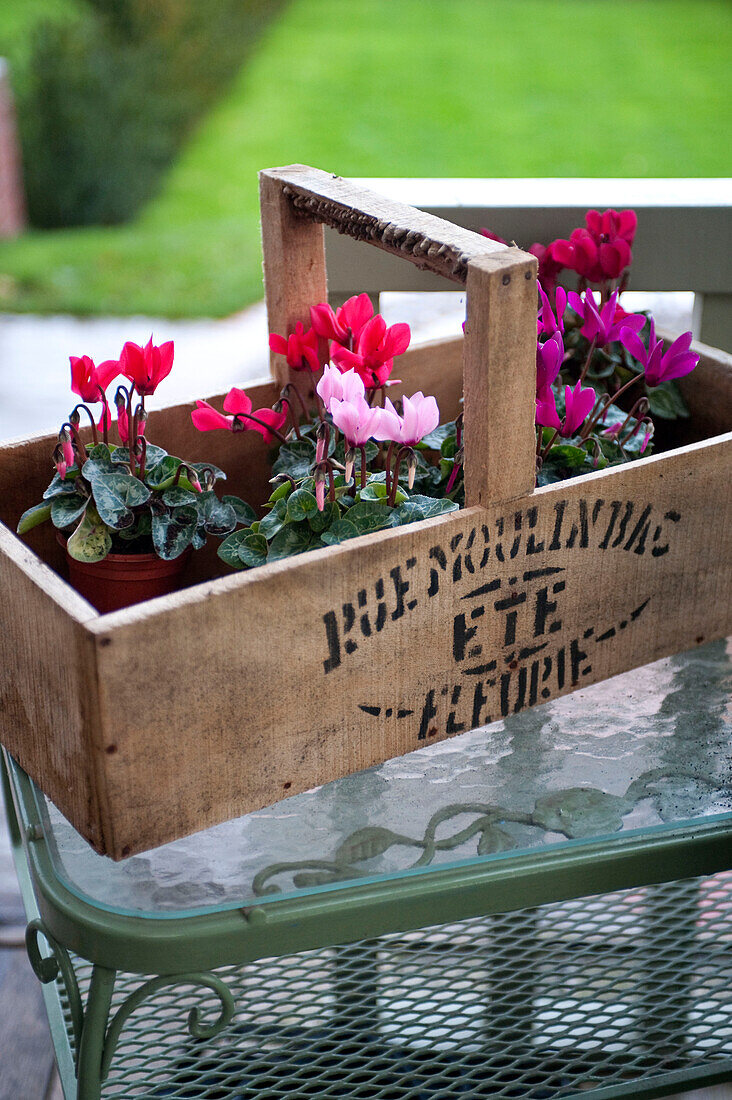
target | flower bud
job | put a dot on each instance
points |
(68, 450)
(75, 418)
(411, 468)
(320, 479)
(120, 398)
(59, 461)
(350, 460)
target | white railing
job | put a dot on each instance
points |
(683, 242)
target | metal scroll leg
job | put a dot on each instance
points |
(91, 1047)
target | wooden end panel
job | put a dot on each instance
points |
(48, 694)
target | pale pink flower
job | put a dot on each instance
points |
(355, 418)
(421, 416)
(340, 387)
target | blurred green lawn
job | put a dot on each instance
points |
(397, 87)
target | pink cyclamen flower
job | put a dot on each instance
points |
(355, 418)
(87, 380)
(375, 350)
(660, 367)
(547, 321)
(346, 324)
(146, 367)
(578, 404)
(300, 348)
(421, 416)
(208, 419)
(338, 386)
(549, 357)
(603, 325)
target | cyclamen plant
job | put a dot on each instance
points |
(355, 463)
(591, 355)
(132, 497)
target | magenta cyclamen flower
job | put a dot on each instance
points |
(421, 416)
(604, 325)
(355, 418)
(547, 321)
(340, 387)
(660, 367)
(374, 355)
(549, 356)
(300, 348)
(578, 404)
(345, 325)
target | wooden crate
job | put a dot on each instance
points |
(149, 723)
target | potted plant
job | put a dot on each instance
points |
(127, 514)
(267, 681)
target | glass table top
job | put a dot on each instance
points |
(639, 751)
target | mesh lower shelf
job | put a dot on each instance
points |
(556, 1001)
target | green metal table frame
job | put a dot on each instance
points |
(186, 950)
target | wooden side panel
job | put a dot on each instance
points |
(48, 699)
(312, 668)
(499, 377)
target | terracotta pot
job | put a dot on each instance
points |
(120, 580)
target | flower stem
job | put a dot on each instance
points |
(264, 424)
(362, 449)
(286, 395)
(588, 360)
(89, 413)
(387, 467)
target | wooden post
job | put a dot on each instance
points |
(294, 271)
(499, 377)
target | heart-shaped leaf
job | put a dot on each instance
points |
(217, 518)
(244, 512)
(321, 521)
(301, 505)
(99, 463)
(244, 548)
(39, 513)
(67, 509)
(115, 495)
(295, 458)
(270, 524)
(61, 485)
(340, 531)
(420, 507)
(172, 532)
(91, 541)
(177, 497)
(153, 455)
(295, 538)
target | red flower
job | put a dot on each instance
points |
(87, 380)
(374, 357)
(146, 367)
(207, 419)
(602, 250)
(346, 324)
(300, 348)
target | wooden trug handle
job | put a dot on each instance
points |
(499, 368)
